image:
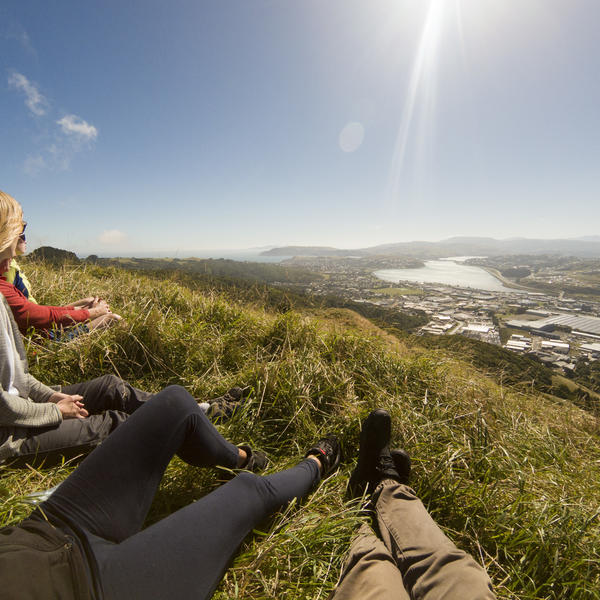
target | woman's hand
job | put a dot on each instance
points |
(88, 302)
(70, 406)
(100, 308)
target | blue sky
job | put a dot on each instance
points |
(152, 126)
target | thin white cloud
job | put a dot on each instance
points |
(22, 37)
(25, 41)
(112, 237)
(34, 100)
(57, 146)
(74, 125)
(14, 31)
(59, 156)
(34, 164)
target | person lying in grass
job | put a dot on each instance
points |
(42, 424)
(59, 322)
(16, 277)
(74, 548)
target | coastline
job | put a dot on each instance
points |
(510, 284)
(497, 282)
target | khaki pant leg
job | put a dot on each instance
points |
(432, 566)
(370, 572)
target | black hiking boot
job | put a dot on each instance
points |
(327, 450)
(375, 461)
(402, 464)
(256, 461)
(374, 437)
(224, 406)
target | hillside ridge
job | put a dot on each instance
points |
(587, 246)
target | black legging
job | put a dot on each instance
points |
(185, 555)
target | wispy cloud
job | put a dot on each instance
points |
(23, 38)
(57, 145)
(112, 237)
(34, 100)
(14, 31)
(55, 156)
(34, 164)
(76, 126)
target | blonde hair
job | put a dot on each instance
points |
(11, 220)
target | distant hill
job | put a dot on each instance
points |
(54, 255)
(587, 247)
(221, 267)
(306, 251)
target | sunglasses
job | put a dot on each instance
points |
(22, 236)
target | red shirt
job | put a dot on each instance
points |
(28, 314)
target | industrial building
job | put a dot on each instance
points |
(555, 346)
(587, 325)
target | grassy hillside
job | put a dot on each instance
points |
(511, 477)
(220, 267)
(247, 281)
(522, 370)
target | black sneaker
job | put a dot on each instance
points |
(224, 406)
(402, 464)
(375, 436)
(327, 450)
(256, 461)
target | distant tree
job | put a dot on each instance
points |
(516, 272)
(53, 255)
(563, 391)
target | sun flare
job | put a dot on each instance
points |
(419, 105)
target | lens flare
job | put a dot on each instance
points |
(418, 114)
(351, 137)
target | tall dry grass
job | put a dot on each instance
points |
(511, 477)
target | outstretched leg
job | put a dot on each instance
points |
(370, 571)
(429, 565)
(110, 493)
(108, 393)
(108, 399)
(186, 554)
(432, 567)
(49, 446)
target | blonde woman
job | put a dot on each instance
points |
(14, 275)
(58, 322)
(42, 424)
(39, 423)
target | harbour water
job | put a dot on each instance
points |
(446, 272)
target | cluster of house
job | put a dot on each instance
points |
(558, 330)
(557, 338)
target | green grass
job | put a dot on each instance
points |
(511, 477)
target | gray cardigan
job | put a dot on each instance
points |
(20, 415)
